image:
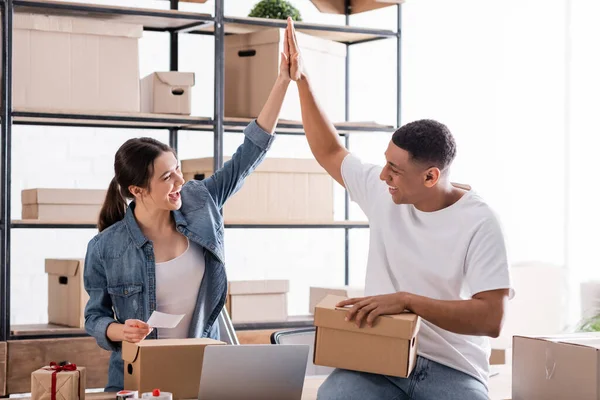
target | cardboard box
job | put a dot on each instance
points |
(388, 348)
(556, 367)
(258, 301)
(167, 93)
(356, 6)
(171, 365)
(70, 385)
(252, 66)
(319, 293)
(279, 190)
(62, 196)
(498, 356)
(77, 205)
(66, 295)
(75, 64)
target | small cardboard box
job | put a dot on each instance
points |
(252, 65)
(70, 385)
(356, 6)
(556, 367)
(258, 301)
(167, 93)
(172, 365)
(66, 295)
(77, 205)
(387, 348)
(279, 190)
(75, 64)
(318, 293)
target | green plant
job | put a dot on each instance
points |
(275, 9)
(591, 324)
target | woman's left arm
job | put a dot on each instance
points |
(259, 135)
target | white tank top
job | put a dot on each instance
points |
(177, 284)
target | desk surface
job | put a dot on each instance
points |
(499, 387)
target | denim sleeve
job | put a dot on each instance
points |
(228, 180)
(98, 310)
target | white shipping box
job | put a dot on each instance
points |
(258, 301)
(167, 93)
(252, 66)
(75, 64)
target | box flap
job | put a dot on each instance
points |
(62, 267)
(175, 78)
(90, 26)
(258, 287)
(144, 344)
(276, 35)
(129, 351)
(327, 315)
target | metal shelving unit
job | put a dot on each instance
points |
(173, 22)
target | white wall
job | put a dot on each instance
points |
(495, 73)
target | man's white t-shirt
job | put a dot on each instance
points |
(450, 254)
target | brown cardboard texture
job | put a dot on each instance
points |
(557, 367)
(63, 196)
(167, 93)
(279, 190)
(75, 64)
(70, 385)
(171, 365)
(388, 348)
(318, 293)
(66, 295)
(252, 66)
(258, 301)
(61, 212)
(356, 6)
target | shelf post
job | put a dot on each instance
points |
(219, 108)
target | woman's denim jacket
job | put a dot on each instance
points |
(120, 267)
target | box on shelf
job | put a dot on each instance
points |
(66, 295)
(252, 65)
(73, 205)
(318, 293)
(389, 347)
(75, 64)
(258, 301)
(173, 365)
(69, 382)
(279, 190)
(167, 93)
(556, 367)
(356, 6)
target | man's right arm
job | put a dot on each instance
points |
(322, 136)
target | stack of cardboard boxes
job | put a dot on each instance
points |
(69, 205)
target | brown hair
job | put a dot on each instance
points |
(134, 165)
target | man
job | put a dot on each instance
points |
(436, 249)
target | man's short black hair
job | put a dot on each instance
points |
(428, 142)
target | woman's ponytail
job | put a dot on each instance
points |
(113, 209)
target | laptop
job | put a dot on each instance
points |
(253, 372)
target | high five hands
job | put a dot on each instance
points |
(291, 67)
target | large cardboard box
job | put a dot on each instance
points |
(389, 347)
(75, 64)
(279, 190)
(252, 66)
(318, 293)
(66, 295)
(69, 383)
(167, 92)
(171, 365)
(76, 205)
(561, 367)
(258, 301)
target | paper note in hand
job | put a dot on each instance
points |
(163, 320)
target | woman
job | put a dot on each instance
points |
(164, 251)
